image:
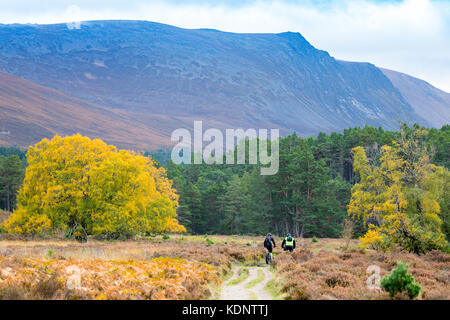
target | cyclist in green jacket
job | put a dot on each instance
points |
(288, 243)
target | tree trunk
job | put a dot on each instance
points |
(8, 199)
(297, 229)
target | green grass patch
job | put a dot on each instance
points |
(257, 280)
(165, 237)
(253, 296)
(274, 289)
(242, 275)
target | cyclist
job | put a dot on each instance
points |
(288, 243)
(268, 244)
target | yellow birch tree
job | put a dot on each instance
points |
(82, 185)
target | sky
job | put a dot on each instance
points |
(410, 36)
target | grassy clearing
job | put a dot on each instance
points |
(242, 276)
(258, 279)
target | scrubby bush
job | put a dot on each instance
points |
(400, 280)
(348, 227)
(337, 280)
(314, 239)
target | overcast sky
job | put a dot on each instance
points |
(410, 36)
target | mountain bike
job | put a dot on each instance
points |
(269, 257)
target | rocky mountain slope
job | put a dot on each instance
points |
(160, 78)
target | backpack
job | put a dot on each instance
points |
(267, 242)
(289, 238)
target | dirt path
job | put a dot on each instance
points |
(239, 291)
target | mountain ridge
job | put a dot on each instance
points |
(164, 77)
(414, 90)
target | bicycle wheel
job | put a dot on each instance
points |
(268, 258)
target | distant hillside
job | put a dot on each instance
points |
(149, 79)
(29, 112)
(428, 102)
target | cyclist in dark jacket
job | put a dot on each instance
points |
(288, 243)
(268, 242)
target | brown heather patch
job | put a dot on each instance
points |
(332, 273)
(145, 269)
(127, 269)
(159, 278)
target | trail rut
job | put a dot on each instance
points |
(240, 292)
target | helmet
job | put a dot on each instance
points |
(288, 234)
(269, 234)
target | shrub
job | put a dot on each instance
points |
(47, 288)
(298, 293)
(400, 280)
(347, 231)
(12, 293)
(337, 280)
(165, 237)
(446, 249)
(314, 239)
(372, 239)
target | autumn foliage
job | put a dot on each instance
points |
(400, 197)
(159, 278)
(85, 186)
(182, 267)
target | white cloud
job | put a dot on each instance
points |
(411, 36)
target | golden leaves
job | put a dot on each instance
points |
(76, 180)
(401, 195)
